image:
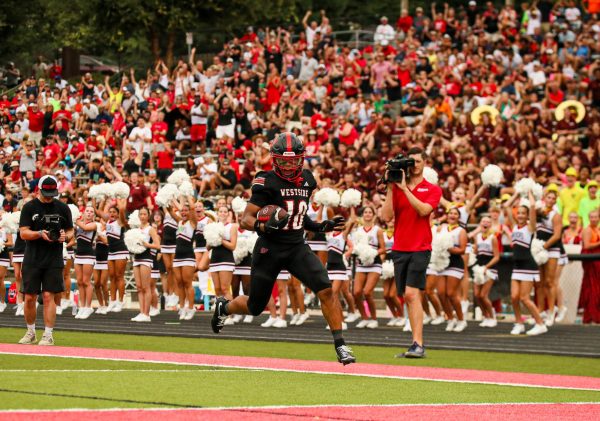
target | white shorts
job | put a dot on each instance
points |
(167, 249)
(284, 275)
(221, 267)
(554, 254)
(375, 268)
(525, 275)
(146, 263)
(179, 263)
(118, 255)
(242, 270)
(337, 275)
(228, 130)
(5, 263)
(100, 266)
(563, 260)
(84, 261)
(155, 274)
(317, 245)
(18, 258)
(454, 272)
(431, 272)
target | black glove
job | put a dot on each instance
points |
(335, 224)
(274, 224)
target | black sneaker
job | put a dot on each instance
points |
(415, 351)
(345, 355)
(218, 319)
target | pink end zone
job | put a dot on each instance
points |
(456, 412)
(322, 367)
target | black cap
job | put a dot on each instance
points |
(48, 186)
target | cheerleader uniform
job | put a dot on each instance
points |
(145, 258)
(524, 267)
(199, 239)
(184, 246)
(284, 275)
(336, 269)
(169, 235)
(221, 258)
(563, 260)
(70, 253)
(485, 253)
(430, 270)
(373, 242)
(456, 268)
(463, 220)
(155, 273)
(18, 249)
(117, 250)
(86, 253)
(318, 241)
(101, 255)
(243, 268)
(545, 230)
(4, 256)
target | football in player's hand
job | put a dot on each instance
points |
(265, 213)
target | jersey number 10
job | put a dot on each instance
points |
(296, 209)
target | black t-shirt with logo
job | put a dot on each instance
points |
(270, 189)
(40, 253)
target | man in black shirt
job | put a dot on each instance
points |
(45, 225)
(226, 177)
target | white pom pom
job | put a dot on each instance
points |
(97, 192)
(472, 259)
(134, 219)
(75, 214)
(327, 197)
(539, 204)
(492, 175)
(430, 175)
(134, 240)
(186, 189)
(365, 253)
(238, 205)
(479, 276)
(539, 253)
(524, 202)
(241, 249)
(1, 245)
(213, 233)
(538, 191)
(523, 186)
(166, 194)
(387, 270)
(119, 190)
(440, 256)
(178, 177)
(252, 242)
(10, 222)
(351, 198)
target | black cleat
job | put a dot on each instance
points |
(345, 355)
(415, 351)
(218, 319)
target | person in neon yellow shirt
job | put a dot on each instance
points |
(570, 196)
(589, 203)
(115, 95)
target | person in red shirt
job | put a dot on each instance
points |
(165, 160)
(36, 123)
(404, 22)
(410, 203)
(63, 115)
(51, 153)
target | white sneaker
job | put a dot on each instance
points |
(362, 324)
(174, 300)
(561, 314)
(111, 306)
(28, 339)
(154, 311)
(438, 321)
(181, 313)
(229, 321)
(280, 323)
(237, 318)
(59, 310)
(426, 319)
(550, 319)
(270, 321)
(87, 312)
(79, 313)
(303, 318)
(143, 318)
(373, 324)
(400, 322)
(308, 298)
(47, 340)
(189, 314)
(392, 322)
(492, 322)
(2, 307)
(464, 305)
(538, 329)
(295, 318)
(407, 327)
(20, 310)
(137, 317)
(451, 325)
(118, 307)
(518, 329)
(485, 323)
(248, 319)
(460, 326)
(352, 317)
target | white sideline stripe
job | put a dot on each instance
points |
(291, 370)
(234, 408)
(220, 370)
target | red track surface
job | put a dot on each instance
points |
(323, 367)
(563, 411)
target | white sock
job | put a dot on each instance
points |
(31, 328)
(48, 331)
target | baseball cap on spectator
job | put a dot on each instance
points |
(472, 3)
(505, 197)
(552, 187)
(94, 133)
(86, 101)
(592, 183)
(48, 186)
(229, 60)
(571, 172)
(14, 164)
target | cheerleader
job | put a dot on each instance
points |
(316, 241)
(571, 235)
(101, 269)
(336, 267)
(366, 277)
(202, 219)
(64, 299)
(7, 240)
(549, 229)
(488, 255)
(118, 255)
(280, 321)
(167, 252)
(142, 266)
(184, 263)
(222, 263)
(431, 295)
(390, 292)
(449, 279)
(241, 275)
(525, 270)
(17, 261)
(85, 258)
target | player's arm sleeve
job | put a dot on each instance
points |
(310, 225)
(261, 196)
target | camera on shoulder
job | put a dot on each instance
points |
(52, 224)
(396, 165)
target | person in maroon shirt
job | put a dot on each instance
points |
(138, 194)
(410, 203)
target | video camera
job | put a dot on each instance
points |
(52, 224)
(396, 165)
